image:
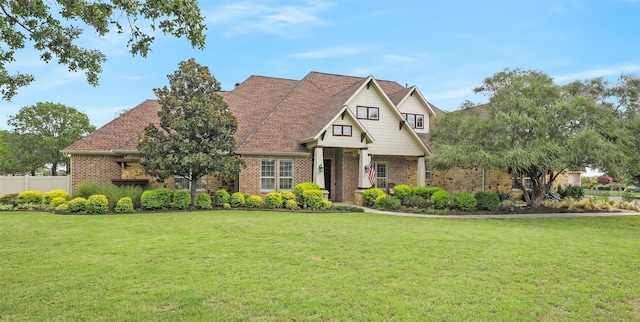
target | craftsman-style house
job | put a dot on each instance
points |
(325, 128)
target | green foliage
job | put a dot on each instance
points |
(273, 200)
(156, 199)
(57, 201)
(62, 208)
(97, 204)
(287, 195)
(221, 196)
(77, 204)
(312, 199)
(113, 193)
(57, 29)
(57, 193)
(402, 191)
(226, 206)
(291, 204)
(464, 201)
(181, 200)
(425, 192)
(124, 205)
(88, 189)
(487, 200)
(370, 195)
(9, 199)
(440, 200)
(30, 196)
(385, 202)
(414, 201)
(301, 187)
(326, 204)
(204, 201)
(196, 132)
(237, 200)
(45, 129)
(628, 196)
(575, 192)
(254, 202)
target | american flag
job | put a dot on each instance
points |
(372, 174)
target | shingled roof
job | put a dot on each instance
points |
(273, 114)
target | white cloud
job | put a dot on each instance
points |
(329, 52)
(283, 20)
(599, 72)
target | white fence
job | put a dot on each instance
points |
(19, 184)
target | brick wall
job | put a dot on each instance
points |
(249, 178)
(98, 169)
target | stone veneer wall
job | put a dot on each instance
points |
(249, 179)
(98, 169)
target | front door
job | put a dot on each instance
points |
(327, 175)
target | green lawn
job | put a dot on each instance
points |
(241, 265)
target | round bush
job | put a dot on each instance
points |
(312, 199)
(57, 193)
(291, 204)
(30, 196)
(9, 199)
(62, 208)
(326, 204)
(254, 202)
(77, 204)
(97, 204)
(226, 206)
(273, 200)
(237, 200)
(156, 199)
(487, 200)
(464, 201)
(181, 200)
(124, 205)
(402, 191)
(440, 199)
(57, 201)
(287, 195)
(413, 201)
(221, 197)
(203, 201)
(301, 187)
(385, 202)
(370, 195)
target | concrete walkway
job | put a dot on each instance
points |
(565, 214)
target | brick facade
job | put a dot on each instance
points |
(249, 178)
(98, 169)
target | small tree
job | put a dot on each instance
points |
(196, 132)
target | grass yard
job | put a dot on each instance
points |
(249, 265)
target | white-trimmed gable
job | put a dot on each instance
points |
(344, 131)
(414, 105)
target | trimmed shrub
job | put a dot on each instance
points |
(413, 201)
(287, 195)
(237, 200)
(464, 201)
(440, 200)
(203, 201)
(77, 204)
(291, 204)
(9, 199)
(221, 197)
(487, 200)
(301, 187)
(97, 204)
(30, 196)
(226, 206)
(312, 199)
(156, 199)
(57, 193)
(425, 192)
(273, 200)
(181, 200)
(384, 202)
(370, 195)
(402, 191)
(326, 204)
(254, 202)
(62, 208)
(124, 205)
(57, 201)
(113, 193)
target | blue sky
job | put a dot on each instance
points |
(446, 48)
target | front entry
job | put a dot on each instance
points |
(327, 175)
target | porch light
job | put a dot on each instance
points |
(320, 167)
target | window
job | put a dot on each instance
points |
(275, 179)
(182, 183)
(342, 130)
(268, 175)
(415, 121)
(286, 174)
(427, 171)
(368, 113)
(381, 175)
(528, 185)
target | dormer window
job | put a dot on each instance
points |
(342, 130)
(368, 113)
(415, 121)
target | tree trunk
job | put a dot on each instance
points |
(536, 198)
(193, 191)
(54, 169)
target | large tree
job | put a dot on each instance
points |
(44, 129)
(196, 133)
(54, 28)
(533, 127)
